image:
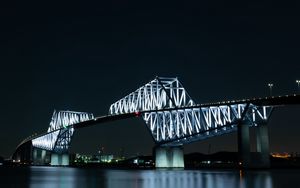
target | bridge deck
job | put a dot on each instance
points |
(267, 101)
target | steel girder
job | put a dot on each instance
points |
(157, 94)
(59, 134)
(173, 118)
(178, 126)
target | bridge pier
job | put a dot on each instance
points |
(244, 145)
(262, 158)
(262, 146)
(38, 156)
(59, 159)
(169, 157)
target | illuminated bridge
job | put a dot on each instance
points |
(172, 117)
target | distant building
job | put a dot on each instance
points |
(143, 161)
(79, 158)
(106, 158)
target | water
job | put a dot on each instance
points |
(45, 177)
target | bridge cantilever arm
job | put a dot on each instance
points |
(162, 85)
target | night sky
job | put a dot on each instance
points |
(85, 56)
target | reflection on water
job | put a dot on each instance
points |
(52, 177)
(255, 179)
(75, 177)
(178, 179)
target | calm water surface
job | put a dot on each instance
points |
(34, 177)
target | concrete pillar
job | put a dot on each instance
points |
(161, 160)
(54, 159)
(65, 160)
(178, 157)
(59, 159)
(169, 157)
(38, 156)
(34, 156)
(244, 145)
(262, 146)
(43, 156)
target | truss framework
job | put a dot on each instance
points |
(158, 94)
(59, 134)
(173, 127)
(172, 124)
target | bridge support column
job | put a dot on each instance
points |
(38, 156)
(169, 157)
(262, 147)
(59, 159)
(34, 156)
(244, 145)
(54, 159)
(43, 156)
(65, 160)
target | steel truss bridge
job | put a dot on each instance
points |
(168, 111)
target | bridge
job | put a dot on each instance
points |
(173, 119)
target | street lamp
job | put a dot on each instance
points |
(270, 86)
(298, 83)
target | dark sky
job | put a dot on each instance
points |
(85, 56)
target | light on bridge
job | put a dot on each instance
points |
(137, 114)
(270, 86)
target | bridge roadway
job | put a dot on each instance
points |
(275, 101)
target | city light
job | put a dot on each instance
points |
(281, 155)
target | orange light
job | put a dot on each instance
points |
(281, 155)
